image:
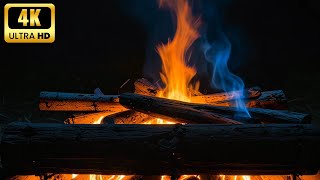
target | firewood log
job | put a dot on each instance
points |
(251, 93)
(89, 118)
(170, 110)
(144, 87)
(185, 112)
(32, 148)
(268, 100)
(127, 117)
(59, 101)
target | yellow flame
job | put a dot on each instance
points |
(176, 74)
(99, 120)
(95, 177)
(74, 176)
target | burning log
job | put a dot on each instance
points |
(142, 86)
(89, 118)
(268, 100)
(251, 93)
(127, 117)
(145, 87)
(171, 110)
(28, 149)
(185, 112)
(59, 101)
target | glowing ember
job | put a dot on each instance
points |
(74, 176)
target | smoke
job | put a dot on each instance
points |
(218, 54)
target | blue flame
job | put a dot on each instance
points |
(218, 54)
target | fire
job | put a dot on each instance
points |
(176, 74)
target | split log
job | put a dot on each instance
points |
(59, 101)
(28, 149)
(185, 112)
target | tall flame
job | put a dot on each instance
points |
(176, 74)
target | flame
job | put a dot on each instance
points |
(74, 176)
(99, 120)
(176, 74)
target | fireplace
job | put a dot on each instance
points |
(168, 129)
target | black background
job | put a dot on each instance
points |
(106, 46)
(44, 18)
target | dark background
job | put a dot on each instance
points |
(101, 44)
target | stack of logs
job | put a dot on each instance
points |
(265, 143)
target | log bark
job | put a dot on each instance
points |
(59, 101)
(171, 110)
(145, 87)
(89, 118)
(268, 100)
(127, 117)
(251, 93)
(28, 149)
(196, 113)
(262, 115)
(253, 97)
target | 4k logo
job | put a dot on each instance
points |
(29, 23)
(34, 17)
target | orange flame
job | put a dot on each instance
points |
(176, 74)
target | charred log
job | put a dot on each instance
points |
(268, 100)
(196, 113)
(171, 110)
(28, 149)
